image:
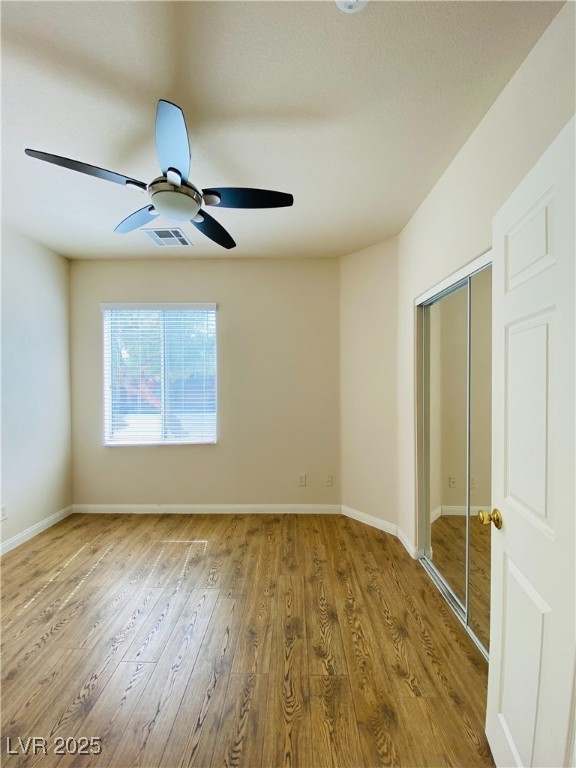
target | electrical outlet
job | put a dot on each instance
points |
(328, 481)
(4, 512)
(451, 481)
(301, 480)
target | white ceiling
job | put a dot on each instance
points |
(355, 115)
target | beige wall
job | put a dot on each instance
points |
(368, 337)
(451, 228)
(278, 358)
(36, 448)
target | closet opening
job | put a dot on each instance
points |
(454, 424)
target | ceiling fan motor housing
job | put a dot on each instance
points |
(178, 203)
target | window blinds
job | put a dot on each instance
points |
(160, 374)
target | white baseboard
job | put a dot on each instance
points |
(34, 530)
(382, 525)
(375, 522)
(209, 509)
(414, 552)
(460, 509)
(435, 514)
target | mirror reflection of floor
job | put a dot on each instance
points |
(449, 557)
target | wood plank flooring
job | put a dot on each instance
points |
(232, 640)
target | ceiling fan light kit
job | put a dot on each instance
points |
(177, 203)
(172, 195)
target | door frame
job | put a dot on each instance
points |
(435, 292)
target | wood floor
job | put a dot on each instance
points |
(246, 640)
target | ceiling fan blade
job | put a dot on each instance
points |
(91, 170)
(172, 139)
(212, 229)
(244, 197)
(137, 219)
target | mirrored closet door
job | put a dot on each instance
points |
(456, 453)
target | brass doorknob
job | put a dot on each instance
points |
(485, 518)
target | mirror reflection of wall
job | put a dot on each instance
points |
(458, 327)
(448, 338)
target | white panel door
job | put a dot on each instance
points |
(530, 713)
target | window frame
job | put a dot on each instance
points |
(106, 307)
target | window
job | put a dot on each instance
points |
(159, 373)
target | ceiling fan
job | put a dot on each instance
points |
(172, 195)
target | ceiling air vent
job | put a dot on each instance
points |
(167, 237)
